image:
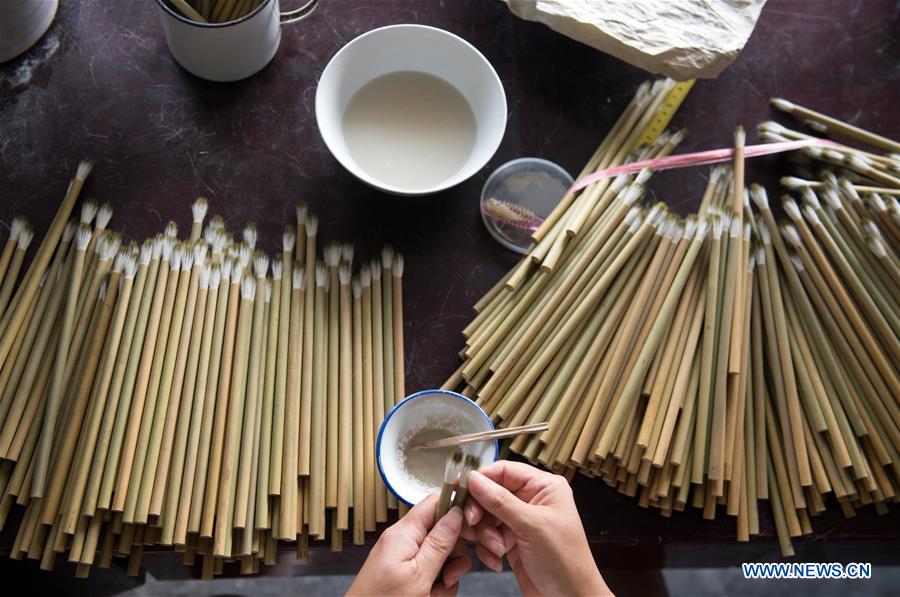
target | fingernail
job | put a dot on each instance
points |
(453, 519)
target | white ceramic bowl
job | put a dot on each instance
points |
(455, 412)
(412, 48)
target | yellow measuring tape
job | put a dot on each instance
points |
(665, 112)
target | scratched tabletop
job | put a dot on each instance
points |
(102, 84)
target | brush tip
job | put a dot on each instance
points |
(387, 257)
(790, 208)
(25, 236)
(260, 264)
(288, 239)
(312, 225)
(215, 277)
(345, 273)
(199, 208)
(88, 211)
(782, 104)
(84, 169)
(759, 197)
(277, 269)
(205, 275)
(300, 211)
(248, 288)
(83, 237)
(398, 265)
(376, 270)
(250, 235)
(365, 275)
(356, 285)
(791, 235)
(171, 230)
(321, 274)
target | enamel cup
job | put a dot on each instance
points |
(228, 51)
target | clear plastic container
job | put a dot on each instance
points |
(518, 196)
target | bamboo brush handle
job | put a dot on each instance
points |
(481, 436)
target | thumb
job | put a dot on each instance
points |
(439, 542)
(498, 500)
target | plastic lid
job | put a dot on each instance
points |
(518, 196)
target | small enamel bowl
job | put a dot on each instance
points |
(411, 476)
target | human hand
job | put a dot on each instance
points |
(410, 555)
(530, 516)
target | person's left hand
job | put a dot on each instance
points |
(408, 558)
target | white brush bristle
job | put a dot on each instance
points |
(205, 274)
(215, 277)
(797, 262)
(187, 258)
(199, 208)
(147, 251)
(790, 208)
(26, 235)
(811, 198)
(288, 239)
(782, 104)
(104, 215)
(877, 247)
(18, 224)
(643, 176)
(810, 214)
(131, 266)
(793, 183)
(759, 197)
(387, 257)
(84, 169)
(88, 211)
(248, 288)
(321, 274)
(857, 163)
(260, 265)
(216, 222)
(345, 273)
(101, 294)
(268, 291)
(250, 235)
(218, 240)
(200, 251)
(225, 267)
(347, 252)
(356, 286)
(245, 252)
(365, 275)
(398, 265)
(735, 228)
(876, 201)
(171, 230)
(298, 277)
(83, 237)
(332, 254)
(376, 270)
(872, 229)
(119, 261)
(177, 255)
(701, 230)
(833, 154)
(312, 225)
(237, 271)
(277, 269)
(791, 235)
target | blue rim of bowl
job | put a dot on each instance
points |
(397, 407)
(443, 186)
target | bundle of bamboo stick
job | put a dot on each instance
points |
(215, 11)
(717, 359)
(192, 392)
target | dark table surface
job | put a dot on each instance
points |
(102, 84)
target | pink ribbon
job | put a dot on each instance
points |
(700, 158)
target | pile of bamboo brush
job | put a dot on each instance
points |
(717, 359)
(192, 392)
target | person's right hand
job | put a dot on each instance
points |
(529, 516)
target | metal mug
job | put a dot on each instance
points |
(228, 51)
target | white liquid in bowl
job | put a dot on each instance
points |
(410, 130)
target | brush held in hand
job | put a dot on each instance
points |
(482, 436)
